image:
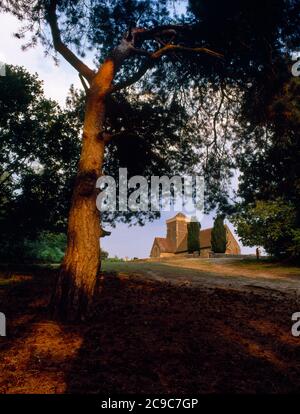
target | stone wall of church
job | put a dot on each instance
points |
(232, 245)
(177, 234)
(171, 233)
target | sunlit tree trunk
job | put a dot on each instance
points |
(76, 282)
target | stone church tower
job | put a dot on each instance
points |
(177, 232)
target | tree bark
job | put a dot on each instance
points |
(76, 281)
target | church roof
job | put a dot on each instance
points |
(205, 238)
(164, 244)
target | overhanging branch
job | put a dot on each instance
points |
(178, 48)
(135, 78)
(61, 48)
(153, 57)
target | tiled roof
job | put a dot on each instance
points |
(205, 238)
(164, 244)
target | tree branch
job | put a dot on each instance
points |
(135, 78)
(61, 48)
(107, 137)
(178, 48)
(104, 233)
(85, 86)
(141, 34)
(157, 55)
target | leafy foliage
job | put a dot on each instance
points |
(267, 155)
(104, 254)
(270, 224)
(39, 146)
(46, 247)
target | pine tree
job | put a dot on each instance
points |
(218, 236)
(130, 39)
(193, 239)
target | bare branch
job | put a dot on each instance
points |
(178, 48)
(85, 86)
(104, 233)
(135, 78)
(60, 47)
(106, 137)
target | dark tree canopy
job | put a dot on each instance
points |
(39, 151)
(268, 158)
(256, 40)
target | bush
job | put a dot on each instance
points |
(103, 254)
(193, 239)
(114, 259)
(47, 248)
(218, 236)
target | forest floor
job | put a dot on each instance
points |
(156, 328)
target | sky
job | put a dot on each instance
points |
(124, 241)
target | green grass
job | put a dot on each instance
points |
(170, 268)
(160, 268)
(111, 266)
(266, 264)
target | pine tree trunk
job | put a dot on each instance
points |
(76, 282)
(75, 287)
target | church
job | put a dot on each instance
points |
(176, 241)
